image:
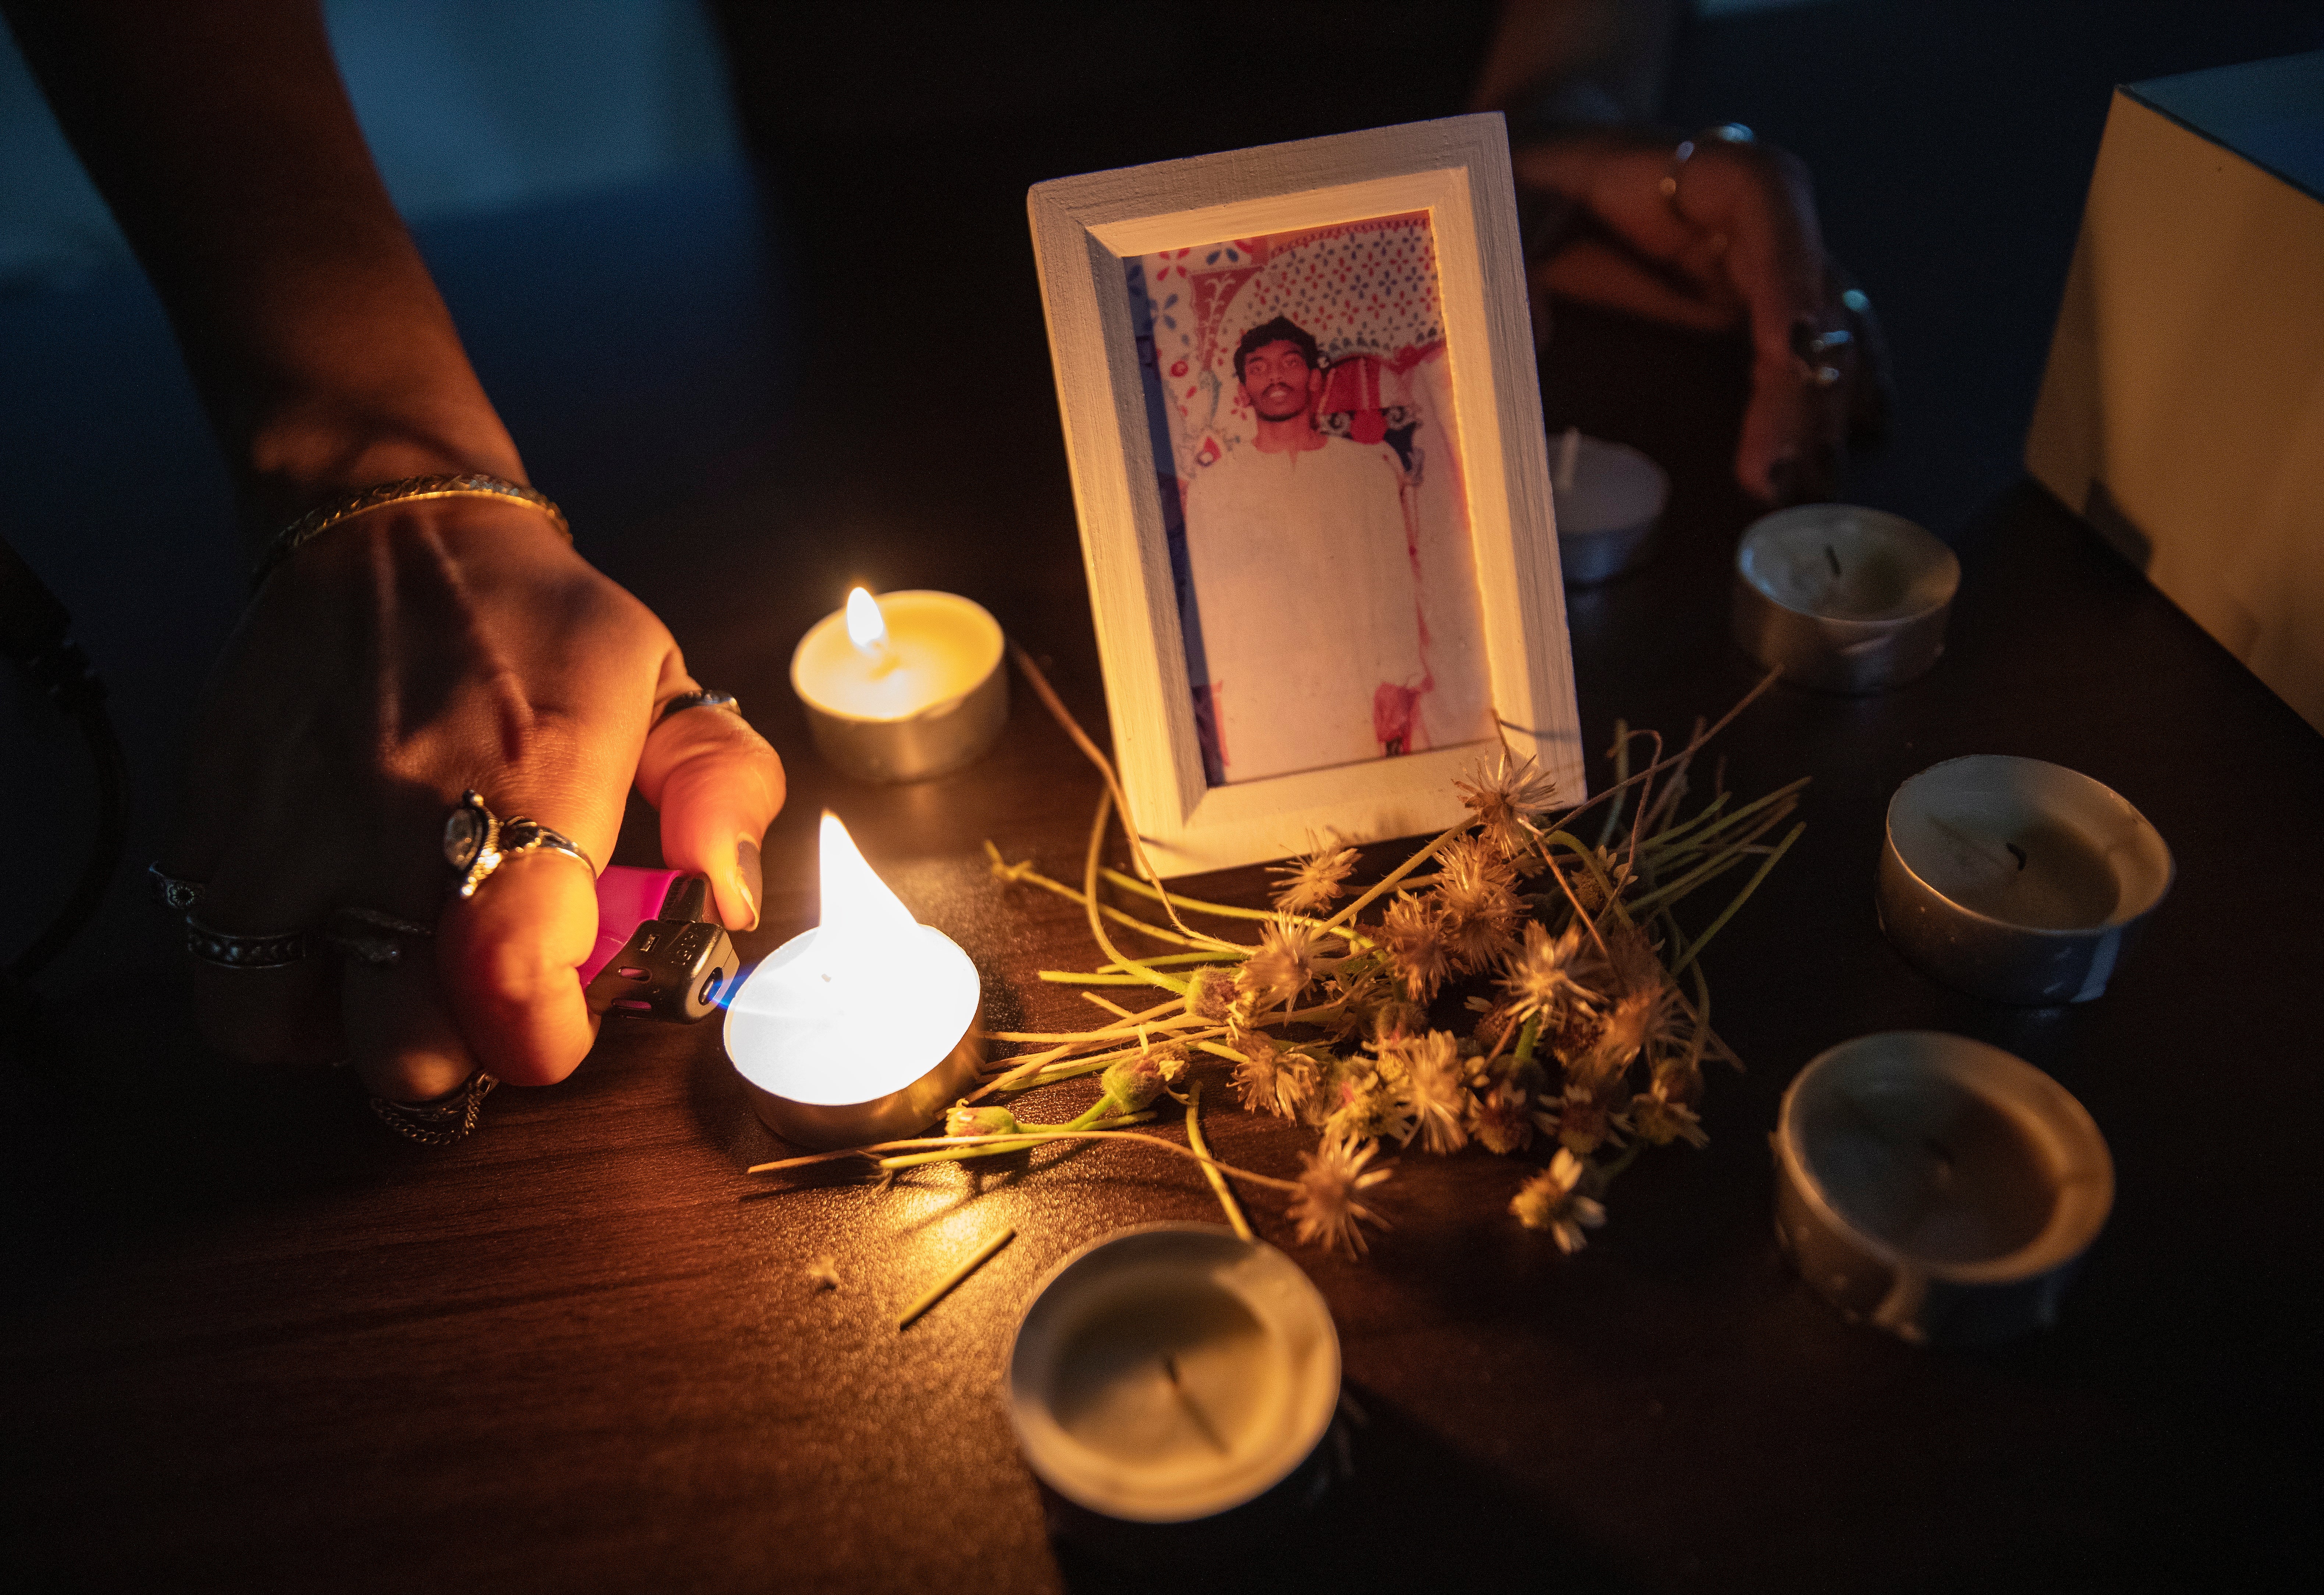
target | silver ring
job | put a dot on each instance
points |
(708, 698)
(477, 841)
(227, 950)
(440, 1121)
(173, 892)
(371, 937)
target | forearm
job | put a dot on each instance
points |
(223, 139)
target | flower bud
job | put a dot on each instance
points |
(1209, 990)
(963, 1120)
(1133, 1083)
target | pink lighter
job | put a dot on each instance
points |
(660, 954)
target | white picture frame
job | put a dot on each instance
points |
(1084, 229)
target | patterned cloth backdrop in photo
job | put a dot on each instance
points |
(1367, 292)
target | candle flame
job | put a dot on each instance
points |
(862, 921)
(866, 628)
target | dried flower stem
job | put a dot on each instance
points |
(1581, 916)
(923, 1142)
(1693, 744)
(1045, 1069)
(1525, 1039)
(937, 1292)
(1115, 1032)
(1621, 752)
(1063, 717)
(1241, 1224)
(1112, 974)
(1388, 881)
(1681, 840)
(1015, 1143)
(1114, 1008)
(1228, 911)
(1749, 887)
(1032, 877)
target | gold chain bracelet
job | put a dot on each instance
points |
(323, 517)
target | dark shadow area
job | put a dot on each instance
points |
(1367, 1527)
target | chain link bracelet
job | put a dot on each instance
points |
(323, 517)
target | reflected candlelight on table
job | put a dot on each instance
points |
(902, 686)
(863, 1029)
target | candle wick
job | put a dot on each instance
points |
(1832, 560)
(2017, 852)
(1186, 1399)
(1980, 846)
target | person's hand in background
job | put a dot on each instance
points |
(1716, 233)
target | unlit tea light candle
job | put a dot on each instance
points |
(1843, 598)
(1937, 1187)
(904, 686)
(1171, 1373)
(2017, 879)
(863, 1029)
(1609, 500)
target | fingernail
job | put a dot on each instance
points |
(748, 878)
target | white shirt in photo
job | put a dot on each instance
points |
(1303, 573)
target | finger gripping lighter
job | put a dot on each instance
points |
(660, 954)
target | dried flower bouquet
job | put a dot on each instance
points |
(1515, 986)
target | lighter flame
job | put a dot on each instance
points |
(866, 628)
(862, 921)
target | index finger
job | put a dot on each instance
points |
(718, 785)
(1759, 200)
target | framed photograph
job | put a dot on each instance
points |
(1301, 408)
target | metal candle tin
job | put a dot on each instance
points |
(952, 727)
(1606, 520)
(2017, 879)
(1936, 1187)
(912, 1070)
(1843, 598)
(1171, 1387)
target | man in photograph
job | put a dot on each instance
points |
(1301, 560)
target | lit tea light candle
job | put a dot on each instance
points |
(902, 686)
(1842, 597)
(1172, 1372)
(862, 1029)
(1609, 500)
(1939, 1188)
(2017, 879)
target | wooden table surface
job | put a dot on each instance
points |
(253, 1343)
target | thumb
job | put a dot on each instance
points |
(719, 786)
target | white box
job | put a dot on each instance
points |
(2183, 409)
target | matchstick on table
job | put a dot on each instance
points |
(976, 1259)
